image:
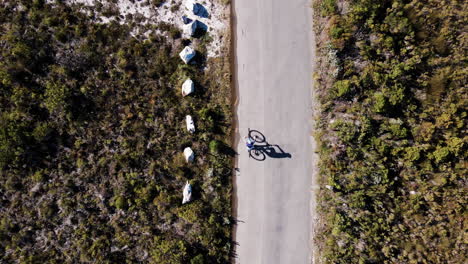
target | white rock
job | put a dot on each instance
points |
(188, 87)
(189, 4)
(187, 54)
(190, 124)
(187, 193)
(189, 154)
(196, 8)
(191, 28)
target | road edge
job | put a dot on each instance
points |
(235, 126)
(315, 158)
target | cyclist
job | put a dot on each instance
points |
(250, 143)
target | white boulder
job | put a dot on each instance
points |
(190, 4)
(187, 54)
(196, 8)
(187, 193)
(193, 27)
(190, 124)
(189, 29)
(189, 154)
(188, 87)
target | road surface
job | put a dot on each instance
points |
(274, 90)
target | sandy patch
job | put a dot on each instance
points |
(171, 12)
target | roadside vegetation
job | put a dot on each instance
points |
(92, 129)
(392, 132)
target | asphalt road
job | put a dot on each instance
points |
(274, 80)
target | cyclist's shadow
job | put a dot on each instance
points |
(262, 148)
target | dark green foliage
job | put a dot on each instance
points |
(392, 132)
(197, 260)
(215, 146)
(91, 169)
(328, 7)
(169, 250)
(342, 88)
(121, 203)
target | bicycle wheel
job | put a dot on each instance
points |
(257, 136)
(257, 155)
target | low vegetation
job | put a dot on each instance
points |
(391, 79)
(92, 129)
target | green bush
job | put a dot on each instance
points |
(56, 96)
(441, 154)
(380, 103)
(342, 88)
(215, 146)
(121, 203)
(455, 145)
(328, 7)
(145, 195)
(412, 154)
(199, 259)
(41, 131)
(336, 32)
(168, 250)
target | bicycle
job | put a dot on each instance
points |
(256, 152)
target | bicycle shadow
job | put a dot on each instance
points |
(263, 149)
(273, 151)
